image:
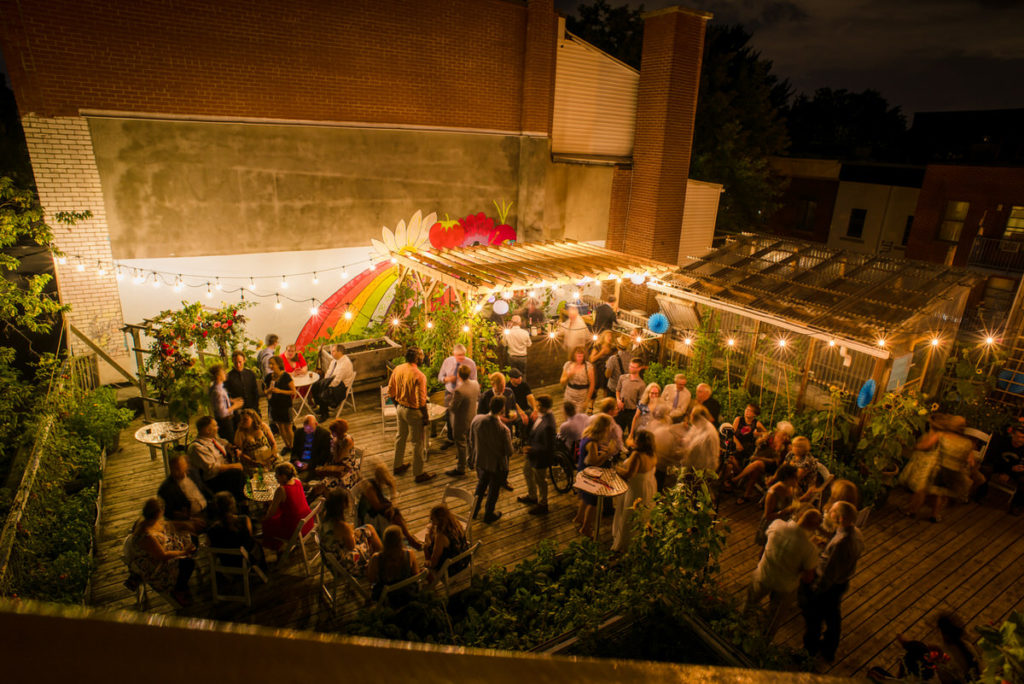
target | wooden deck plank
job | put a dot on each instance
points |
(972, 562)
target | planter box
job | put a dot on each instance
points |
(369, 359)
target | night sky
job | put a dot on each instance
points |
(924, 55)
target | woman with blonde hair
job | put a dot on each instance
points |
(255, 441)
(594, 452)
(650, 398)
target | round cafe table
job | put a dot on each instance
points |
(160, 435)
(304, 380)
(609, 486)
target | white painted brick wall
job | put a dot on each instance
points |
(67, 180)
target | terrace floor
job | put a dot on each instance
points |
(971, 563)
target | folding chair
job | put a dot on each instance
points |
(141, 595)
(388, 410)
(447, 577)
(298, 540)
(1008, 488)
(341, 579)
(467, 498)
(417, 580)
(243, 570)
(862, 517)
(349, 400)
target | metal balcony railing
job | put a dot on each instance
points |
(997, 253)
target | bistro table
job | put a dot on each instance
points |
(304, 380)
(609, 485)
(160, 435)
(261, 490)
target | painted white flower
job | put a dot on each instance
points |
(409, 237)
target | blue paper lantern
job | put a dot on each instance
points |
(866, 394)
(658, 324)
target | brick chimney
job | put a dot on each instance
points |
(647, 212)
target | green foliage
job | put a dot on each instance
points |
(1003, 650)
(829, 428)
(663, 374)
(97, 416)
(892, 427)
(182, 340)
(970, 377)
(619, 31)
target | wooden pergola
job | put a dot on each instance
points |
(484, 270)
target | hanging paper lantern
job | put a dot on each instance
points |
(501, 307)
(658, 323)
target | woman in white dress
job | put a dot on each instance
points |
(578, 380)
(638, 471)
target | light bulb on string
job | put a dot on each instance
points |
(80, 267)
(314, 309)
(935, 341)
(990, 340)
(347, 315)
(156, 281)
(284, 283)
(394, 260)
(209, 292)
(119, 275)
(177, 284)
(218, 285)
(880, 342)
(638, 278)
(101, 270)
(552, 334)
(344, 274)
(731, 342)
(277, 304)
(831, 343)
(594, 338)
(506, 295)
(506, 331)
(465, 328)
(62, 260)
(316, 280)
(533, 294)
(252, 284)
(782, 342)
(430, 325)
(478, 308)
(688, 341)
(395, 322)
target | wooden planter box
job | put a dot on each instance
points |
(369, 359)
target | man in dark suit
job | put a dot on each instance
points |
(184, 493)
(312, 446)
(241, 383)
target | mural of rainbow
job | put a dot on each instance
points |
(367, 296)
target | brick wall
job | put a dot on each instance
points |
(484, 64)
(67, 180)
(619, 207)
(666, 106)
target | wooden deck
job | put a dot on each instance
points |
(912, 570)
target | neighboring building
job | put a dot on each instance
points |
(808, 200)
(874, 208)
(240, 138)
(994, 136)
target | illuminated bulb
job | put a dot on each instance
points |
(314, 310)
(209, 292)
(990, 340)
(430, 324)
(543, 283)
(80, 267)
(252, 285)
(395, 322)
(465, 328)
(394, 260)
(618, 279)
(348, 315)
(62, 260)
(688, 341)
(551, 334)
(594, 338)
(507, 331)
(935, 341)
(831, 343)
(731, 342)
(177, 284)
(478, 308)
(277, 304)
(119, 275)
(101, 270)
(316, 280)
(576, 295)
(881, 342)
(218, 285)
(156, 281)
(782, 342)
(284, 283)
(507, 294)
(344, 274)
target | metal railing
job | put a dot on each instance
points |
(998, 254)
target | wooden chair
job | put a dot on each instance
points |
(299, 541)
(349, 400)
(388, 410)
(418, 580)
(341, 579)
(467, 498)
(244, 570)
(446, 577)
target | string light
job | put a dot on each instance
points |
(344, 274)
(284, 283)
(156, 281)
(80, 267)
(990, 340)
(430, 325)
(395, 322)
(831, 343)
(731, 342)
(478, 308)
(532, 294)
(314, 310)
(935, 341)
(688, 341)
(465, 328)
(252, 284)
(277, 304)
(880, 342)
(316, 280)
(118, 274)
(218, 285)
(782, 342)
(62, 260)
(506, 331)
(394, 260)
(506, 295)
(551, 335)
(100, 269)
(177, 284)
(594, 338)
(347, 315)
(209, 292)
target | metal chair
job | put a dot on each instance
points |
(388, 410)
(340, 579)
(444, 574)
(467, 498)
(243, 570)
(298, 540)
(418, 580)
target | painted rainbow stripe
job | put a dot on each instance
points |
(367, 295)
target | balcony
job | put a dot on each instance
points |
(997, 254)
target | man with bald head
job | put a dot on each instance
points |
(789, 559)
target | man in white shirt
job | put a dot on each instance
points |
(790, 557)
(676, 396)
(517, 339)
(573, 330)
(336, 383)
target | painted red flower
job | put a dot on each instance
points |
(477, 228)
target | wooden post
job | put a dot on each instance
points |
(805, 376)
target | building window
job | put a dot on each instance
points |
(906, 230)
(953, 221)
(805, 211)
(855, 228)
(1015, 224)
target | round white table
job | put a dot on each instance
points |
(610, 485)
(304, 380)
(160, 435)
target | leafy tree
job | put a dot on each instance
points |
(14, 159)
(845, 125)
(619, 31)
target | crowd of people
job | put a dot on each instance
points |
(647, 434)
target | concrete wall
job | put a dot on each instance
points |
(182, 188)
(577, 201)
(888, 207)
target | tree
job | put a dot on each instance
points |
(739, 126)
(844, 125)
(739, 123)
